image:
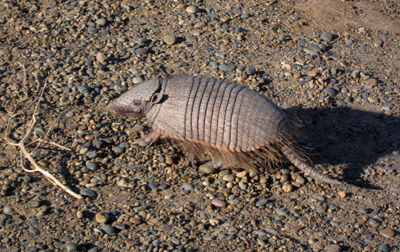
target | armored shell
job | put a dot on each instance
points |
(235, 126)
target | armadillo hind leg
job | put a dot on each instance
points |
(300, 163)
(148, 139)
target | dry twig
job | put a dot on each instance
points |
(24, 153)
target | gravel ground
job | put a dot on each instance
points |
(335, 63)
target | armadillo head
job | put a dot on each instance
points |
(138, 100)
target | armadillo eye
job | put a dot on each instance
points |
(136, 103)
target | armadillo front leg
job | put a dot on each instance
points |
(148, 139)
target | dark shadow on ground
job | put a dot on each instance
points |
(351, 138)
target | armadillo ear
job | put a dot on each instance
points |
(156, 98)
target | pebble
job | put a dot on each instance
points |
(101, 57)
(4, 52)
(228, 177)
(204, 168)
(92, 30)
(102, 217)
(371, 81)
(330, 91)
(187, 186)
(110, 230)
(91, 165)
(34, 203)
(312, 73)
(33, 231)
(287, 188)
(387, 106)
(123, 182)
(218, 203)
(137, 80)
(327, 36)
(7, 210)
(333, 248)
(88, 193)
(170, 39)
(374, 222)
(280, 211)
(384, 248)
(192, 9)
(223, 67)
(200, 25)
(348, 41)
(101, 22)
(262, 202)
(169, 160)
(342, 194)
(142, 51)
(387, 233)
(70, 246)
(135, 221)
(91, 154)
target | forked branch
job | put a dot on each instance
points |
(24, 153)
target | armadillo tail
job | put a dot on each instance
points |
(300, 163)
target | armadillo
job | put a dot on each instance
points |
(235, 126)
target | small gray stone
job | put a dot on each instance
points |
(4, 52)
(192, 9)
(71, 246)
(30, 249)
(88, 193)
(223, 67)
(108, 229)
(218, 203)
(244, 16)
(101, 22)
(239, 30)
(318, 197)
(348, 41)
(187, 186)
(384, 248)
(137, 80)
(378, 42)
(34, 204)
(205, 168)
(280, 211)
(387, 106)
(371, 81)
(92, 30)
(91, 154)
(175, 241)
(327, 36)
(170, 39)
(261, 202)
(91, 166)
(387, 233)
(7, 210)
(123, 183)
(142, 51)
(333, 248)
(33, 231)
(101, 57)
(302, 42)
(200, 25)
(228, 178)
(165, 228)
(374, 222)
(330, 91)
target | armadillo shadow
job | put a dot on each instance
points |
(354, 139)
